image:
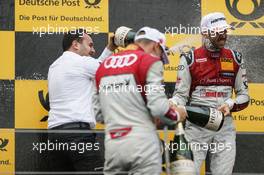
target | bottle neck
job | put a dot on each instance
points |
(130, 37)
(179, 129)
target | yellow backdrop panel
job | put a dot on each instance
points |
(65, 13)
(7, 57)
(243, 10)
(7, 151)
(179, 43)
(28, 109)
(252, 118)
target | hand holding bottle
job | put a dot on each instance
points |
(225, 109)
(182, 112)
(205, 117)
(175, 113)
(111, 44)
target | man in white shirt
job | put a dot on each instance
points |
(71, 85)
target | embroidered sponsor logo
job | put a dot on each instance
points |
(201, 60)
(116, 133)
(120, 61)
(216, 81)
(227, 74)
(227, 64)
(205, 93)
(229, 60)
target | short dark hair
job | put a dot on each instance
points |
(71, 36)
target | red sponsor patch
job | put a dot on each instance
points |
(201, 60)
(116, 133)
(205, 93)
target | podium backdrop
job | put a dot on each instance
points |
(26, 52)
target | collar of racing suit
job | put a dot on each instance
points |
(212, 51)
(139, 48)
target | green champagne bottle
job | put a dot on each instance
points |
(124, 36)
(130, 38)
(182, 157)
(209, 118)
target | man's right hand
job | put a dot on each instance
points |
(180, 109)
(182, 112)
(176, 113)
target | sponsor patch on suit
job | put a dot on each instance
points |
(227, 64)
(227, 74)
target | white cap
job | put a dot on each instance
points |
(154, 35)
(214, 22)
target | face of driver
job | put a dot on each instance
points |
(218, 39)
(156, 49)
(151, 47)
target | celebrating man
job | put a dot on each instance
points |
(209, 76)
(131, 96)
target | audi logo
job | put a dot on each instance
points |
(120, 61)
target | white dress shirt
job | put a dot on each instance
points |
(71, 86)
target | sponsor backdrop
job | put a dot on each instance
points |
(31, 35)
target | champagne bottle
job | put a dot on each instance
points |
(206, 117)
(124, 36)
(182, 157)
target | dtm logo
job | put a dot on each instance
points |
(45, 104)
(254, 15)
(92, 3)
(120, 61)
(3, 144)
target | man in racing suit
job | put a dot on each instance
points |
(131, 95)
(208, 78)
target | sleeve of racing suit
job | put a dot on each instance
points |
(183, 83)
(157, 101)
(106, 53)
(241, 90)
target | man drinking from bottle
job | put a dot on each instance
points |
(127, 85)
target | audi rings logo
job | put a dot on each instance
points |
(120, 61)
(256, 13)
